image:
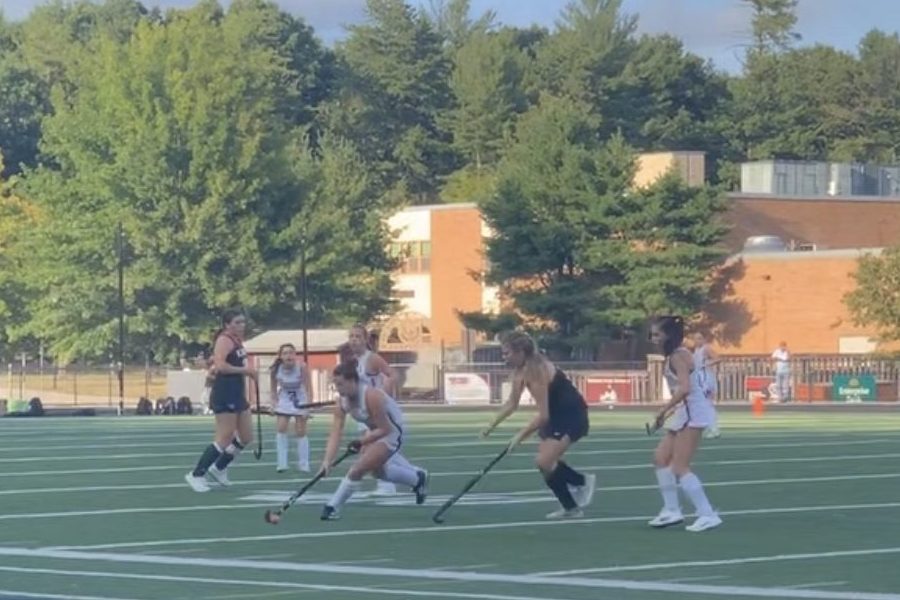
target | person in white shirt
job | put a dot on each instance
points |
(705, 361)
(782, 360)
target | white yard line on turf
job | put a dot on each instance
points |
(818, 584)
(262, 499)
(378, 591)
(749, 461)
(694, 579)
(608, 451)
(431, 575)
(452, 528)
(723, 562)
(13, 595)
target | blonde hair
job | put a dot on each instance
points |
(519, 341)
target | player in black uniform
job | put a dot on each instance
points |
(228, 398)
(561, 420)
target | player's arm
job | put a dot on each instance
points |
(515, 396)
(381, 366)
(224, 346)
(681, 362)
(334, 438)
(375, 405)
(538, 384)
(273, 388)
(712, 357)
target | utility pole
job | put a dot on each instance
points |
(121, 348)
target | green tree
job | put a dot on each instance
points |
(583, 256)
(452, 21)
(876, 299)
(879, 83)
(24, 101)
(773, 24)
(486, 81)
(393, 96)
(181, 135)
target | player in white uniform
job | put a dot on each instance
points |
(373, 371)
(694, 412)
(705, 360)
(379, 448)
(291, 388)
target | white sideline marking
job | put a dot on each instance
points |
(432, 575)
(703, 578)
(749, 461)
(642, 450)
(817, 584)
(723, 562)
(266, 498)
(382, 591)
(12, 595)
(476, 527)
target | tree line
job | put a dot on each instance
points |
(228, 141)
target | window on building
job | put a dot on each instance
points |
(403, 294)
(415, 257)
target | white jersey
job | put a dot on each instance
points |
(697, 409)
(375, 380)
(359, 412)
(291, 390)
(707, 375)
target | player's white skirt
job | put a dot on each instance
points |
(286, 408)
(697, 412)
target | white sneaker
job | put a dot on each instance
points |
(704, 523)
(220, 477)
(281, 468)
(562, 513)
(666, 518)
(304, 467)
(712, 433)
(584, 494)
(198, 484)
(384, 488)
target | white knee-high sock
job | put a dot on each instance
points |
(303, 450)
(345, 489)
(281, 444)
(668, 488)
(404, 474)
(692, 487)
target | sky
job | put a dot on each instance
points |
(715, 29)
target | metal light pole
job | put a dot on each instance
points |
(121, 348)
(303, 305)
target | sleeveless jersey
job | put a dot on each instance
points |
(375, 380)
(707, 377)
(562, 396)
(697, 389)
(359, 412)
(228, 387)
(291, 388)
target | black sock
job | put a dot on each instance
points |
(209, 456)
(570, 475)
(557, 484)
(230, 453)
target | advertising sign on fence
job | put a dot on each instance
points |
(763, 387)
(466, 388)
(854, 388)
(608, 390)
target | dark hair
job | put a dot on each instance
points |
(278, 362)
(227, 317)
(344, 352)
(347, 370)
(673, 328)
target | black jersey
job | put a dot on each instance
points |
(228, 392)
(567, 410)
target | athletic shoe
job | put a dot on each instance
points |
(712, 433)
(562, 513)
(421, 489)
(704, 523)
(303, 467)
(281, 468)
(220, 477)
(198, 484)
(584, 494)
(329, 513)
(384, 488)
(666, 518)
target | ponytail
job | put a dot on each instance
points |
(276, 364)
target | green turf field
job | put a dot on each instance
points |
(97, 509)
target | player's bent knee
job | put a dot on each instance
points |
(545, 464)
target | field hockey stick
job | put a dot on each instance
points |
(259, 434)
(658, 423)
(315, 405)
(274, 517)
(439, 515)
